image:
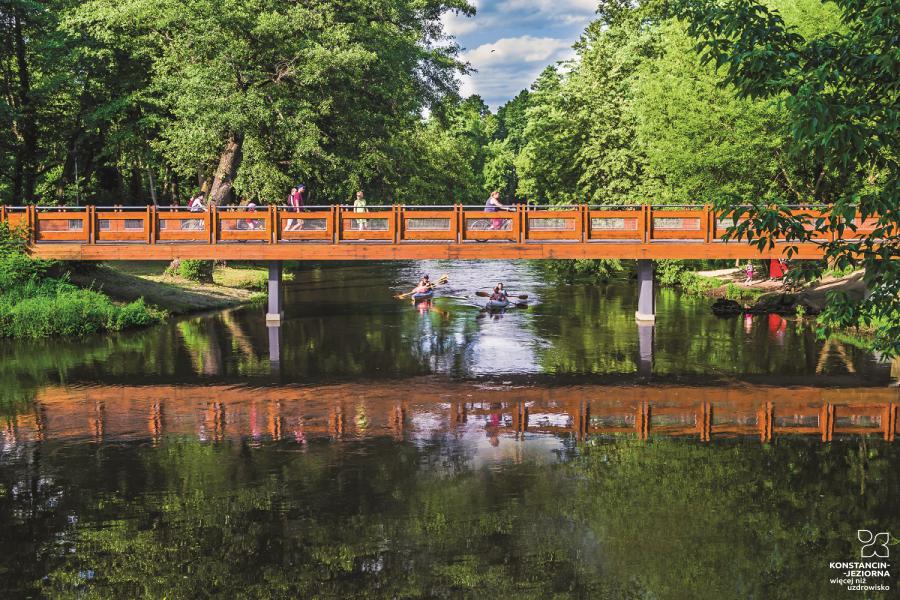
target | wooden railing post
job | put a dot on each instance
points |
(151, 224)
(584, 217)
(647, 212)
(91, 223)
(397, 211)
(337, 223)
(31, 220)
(708, 220)
(212, 222)
(273, 225)
(460, 223)
(522, 223)
(2, 213)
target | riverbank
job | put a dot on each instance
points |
(734, 294)
(177, 295)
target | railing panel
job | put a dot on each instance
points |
(614, 225)
(59, 225)
(678, 224)
(374, 223)
(484, 225)
(243, 225)
(428, 224)
(121, 226)
(183, 225)
(553, 224)
(312, 223)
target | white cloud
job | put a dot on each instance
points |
(519, 13)
(510, 65)
(569, 11)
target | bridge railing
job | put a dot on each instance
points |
(385, 224)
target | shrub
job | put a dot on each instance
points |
(196, 270)
(584, 269)
(669, 272)
(13, 240)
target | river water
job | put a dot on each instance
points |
(373, 447)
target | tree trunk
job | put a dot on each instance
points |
(24, 174)
(229, 163)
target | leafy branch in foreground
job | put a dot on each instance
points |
(841, 94)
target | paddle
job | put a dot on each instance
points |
(487, 295)
(443, 279)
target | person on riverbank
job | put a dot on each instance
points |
(493, 204)
(749, 271)
(359, 206)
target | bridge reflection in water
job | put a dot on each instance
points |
(422, 409)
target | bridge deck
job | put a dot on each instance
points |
(389, 232)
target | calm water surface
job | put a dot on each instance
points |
(372, 448)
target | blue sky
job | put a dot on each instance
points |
(525, 36)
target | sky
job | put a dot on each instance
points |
(510, 42)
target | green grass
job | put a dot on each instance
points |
(34, 305)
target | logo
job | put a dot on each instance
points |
(873, 544)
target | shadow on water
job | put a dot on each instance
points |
(436, 451)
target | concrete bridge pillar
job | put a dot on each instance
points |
(646, 310)
(275, 313)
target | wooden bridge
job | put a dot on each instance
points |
(275, 234)
(389, 233)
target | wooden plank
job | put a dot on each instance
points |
(632, 221)
(422, 251)
(571, 232)
(693, 233)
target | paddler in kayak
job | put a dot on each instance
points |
(424, 287)
(499, 294)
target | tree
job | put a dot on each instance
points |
(841, 94)
(260, 94)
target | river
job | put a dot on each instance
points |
(372, 447)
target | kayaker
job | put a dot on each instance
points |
(423, 287)
(499, 294)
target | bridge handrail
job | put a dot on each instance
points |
(337, 223)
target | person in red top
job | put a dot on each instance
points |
(296, 199)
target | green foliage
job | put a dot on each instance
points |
(196, 270)
(581, 269)
(839, 92)
(13, 240)
(35, 306)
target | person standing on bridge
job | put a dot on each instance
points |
(359, 206)
(493, 204)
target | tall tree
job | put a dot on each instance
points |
(841, 92)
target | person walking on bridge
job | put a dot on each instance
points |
(296, 199)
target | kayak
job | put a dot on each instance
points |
(423, 296)
(496, 304)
